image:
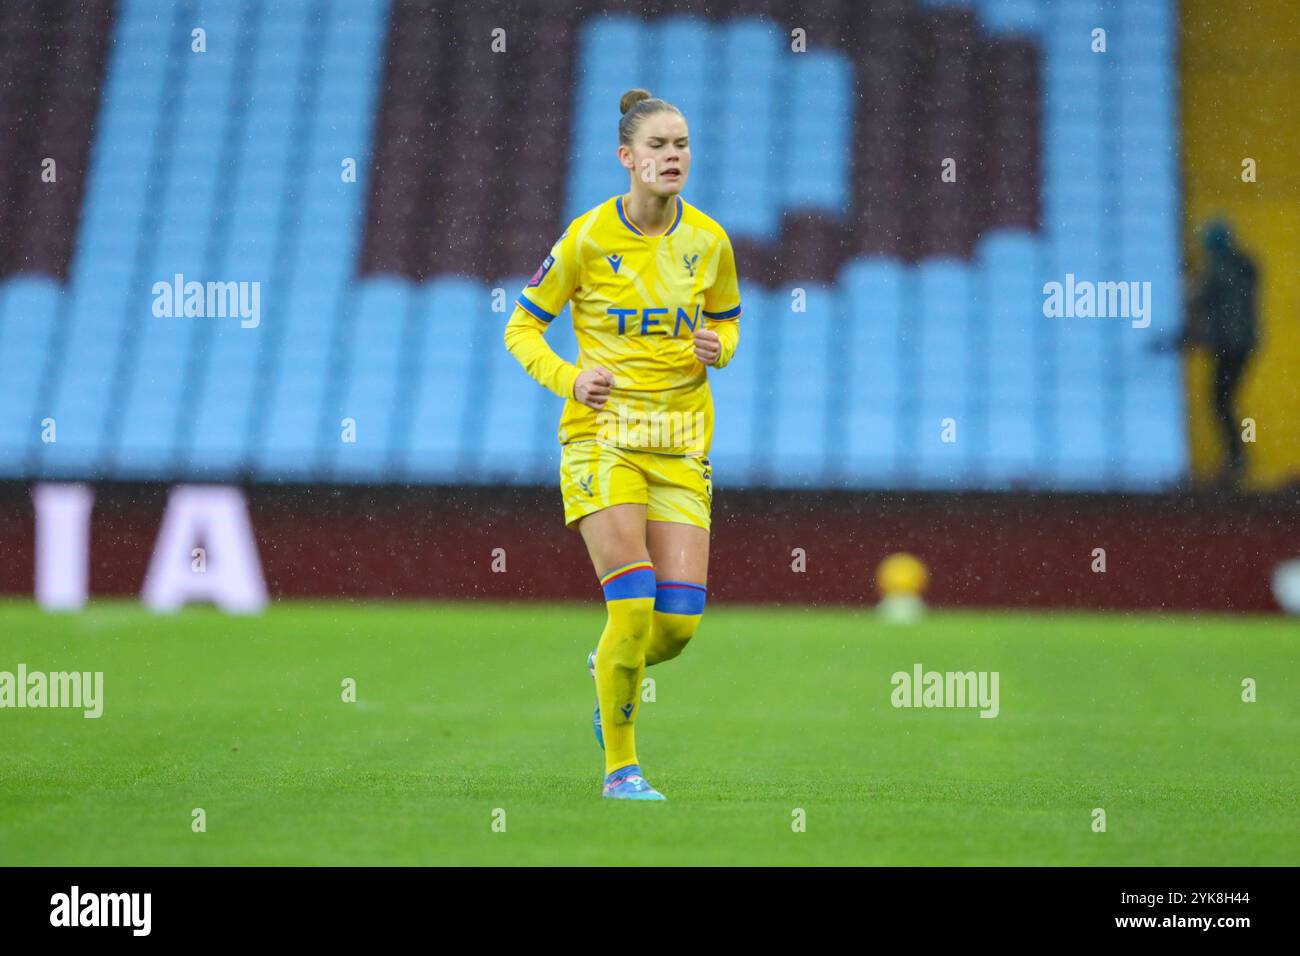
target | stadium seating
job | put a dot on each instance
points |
(389, 192)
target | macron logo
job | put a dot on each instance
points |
(102, 909)
(615, 262)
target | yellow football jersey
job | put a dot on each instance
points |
(636, 302)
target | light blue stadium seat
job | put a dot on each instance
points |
(512, 426)
(1012, 453)
(748, 192)
(942, 334)
(804, 393)
(936, 463)
(111, 231)
(1011, 17)
(820, 110)
(1084, 435)
(29, 314)
(610, 48)
(328, 231)
(1010, 300)
(874, 293)
(374, 337)
(445, 372)
(229, 363)
(740, 432)
(683, 53)
(1154, 452)
(155, 397)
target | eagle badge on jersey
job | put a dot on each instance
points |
(540, 274)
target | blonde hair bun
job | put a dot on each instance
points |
(631, 98)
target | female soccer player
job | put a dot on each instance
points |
(652, 285)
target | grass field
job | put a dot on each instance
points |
(464, 709)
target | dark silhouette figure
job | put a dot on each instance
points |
(1222, 319)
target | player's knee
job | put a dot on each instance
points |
(673, 632)
(678, 607)
(627, 634)
(631, 620)
(638, 620)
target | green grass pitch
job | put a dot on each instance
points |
(467, 709)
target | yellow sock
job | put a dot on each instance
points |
(620, 657)
(679, 605)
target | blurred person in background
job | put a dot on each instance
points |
(1221, 318)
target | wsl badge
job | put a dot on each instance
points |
(540, 274)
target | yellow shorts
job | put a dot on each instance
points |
(594, 475)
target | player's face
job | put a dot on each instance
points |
(660, 157)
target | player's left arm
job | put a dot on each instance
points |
(716, 342)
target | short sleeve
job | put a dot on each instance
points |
(722, 299)
(554, 281)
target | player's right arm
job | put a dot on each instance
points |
(541, 300)
(525, 338)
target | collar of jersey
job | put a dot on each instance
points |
(618, 204)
